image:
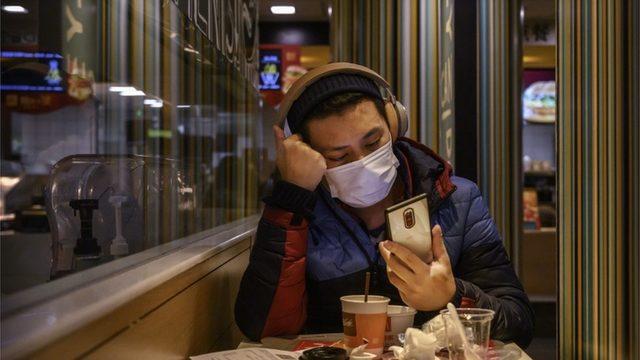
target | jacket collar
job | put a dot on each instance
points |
(424, 171)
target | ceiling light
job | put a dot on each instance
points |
(121, 88)
(15, 9)
(152, 101)
(191, 50)
(132, 93)
(183, 106)
(283, 10)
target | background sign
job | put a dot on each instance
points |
(232, 26)
(31, 71)
(270, 69)
(80, 31)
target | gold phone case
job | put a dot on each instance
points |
(408, 224)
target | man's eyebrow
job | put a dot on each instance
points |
(368, 134)
(337, 148)
(372, 132)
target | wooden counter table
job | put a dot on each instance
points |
(290, 343)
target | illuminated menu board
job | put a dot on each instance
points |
(270, 69)
(31, 71)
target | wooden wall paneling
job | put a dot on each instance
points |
(499, 119)
(190, 323)
(597, 81)
(232, 336)
(633, 174)
(110, 326)
(539, 273)
(398, 39)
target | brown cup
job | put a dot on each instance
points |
(364, 321)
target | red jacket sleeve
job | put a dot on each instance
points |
(272, 296)
(288, 308)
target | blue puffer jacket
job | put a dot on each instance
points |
(309, 252)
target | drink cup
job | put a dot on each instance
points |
(476, 324)
(400, 318)
(364, 321)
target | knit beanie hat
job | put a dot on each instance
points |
(325, 89)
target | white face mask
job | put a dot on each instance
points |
(364, 182)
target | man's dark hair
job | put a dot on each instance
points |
(337, 105)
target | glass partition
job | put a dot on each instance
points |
(125, 124)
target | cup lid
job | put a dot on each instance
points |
(375, 299)
(355, 304)
(400, 310)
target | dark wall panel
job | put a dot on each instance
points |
(294, 33)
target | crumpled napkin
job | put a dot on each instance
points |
(359, 353)
(418, 345)
(436, 327)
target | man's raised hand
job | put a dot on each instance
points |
(297, 162)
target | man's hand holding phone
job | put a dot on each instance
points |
(297, 162)
(425, 287)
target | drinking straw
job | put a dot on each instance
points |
(366, 286)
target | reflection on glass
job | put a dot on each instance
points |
(119, 109)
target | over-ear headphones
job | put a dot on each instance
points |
(395, 111)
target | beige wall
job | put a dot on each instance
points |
(313, 56)
(539, 56)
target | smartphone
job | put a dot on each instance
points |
(408, 224)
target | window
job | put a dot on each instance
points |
(125, 124)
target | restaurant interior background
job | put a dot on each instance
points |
(133, 130)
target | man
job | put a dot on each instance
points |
(323, 227)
